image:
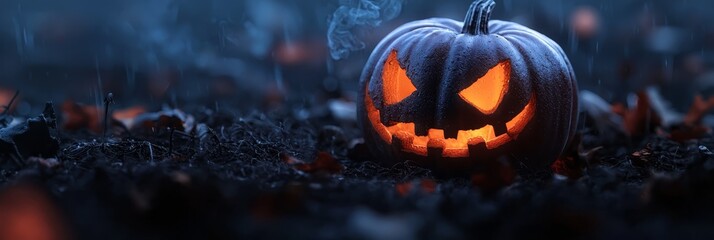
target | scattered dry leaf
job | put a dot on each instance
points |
(690, 126)
(498, 175)
(651, 110)
(404, 188)
(698, 109)
(570, 164)
(77, 116)
(168, 118)
(428, 185)
(269, 205)
(128, 115)
(324, 164)
(302, 52)
(26, 212)
(290, 159)
(641, 157)
(45, 162)
(575, 159)
(685, 133)
(639, 118)
(5, 98)
(423, 186)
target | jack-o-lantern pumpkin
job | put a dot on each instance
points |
(451, 95)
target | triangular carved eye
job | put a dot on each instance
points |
(487, 92)
(396, 84)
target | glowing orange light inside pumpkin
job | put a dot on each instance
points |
(452, 147)
(487, 92)
(396, 84)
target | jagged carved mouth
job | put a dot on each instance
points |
(451, 147)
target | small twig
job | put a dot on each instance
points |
(151, 151)
(107, 101)
(185, 135)
(6, 109)
(19, 159)
(171, 141)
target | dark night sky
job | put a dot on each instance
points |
(67, 49)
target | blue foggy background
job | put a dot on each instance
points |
(259, 53)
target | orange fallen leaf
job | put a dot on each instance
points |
(691, 125)
(698, 109)
(290, 159)
(26, 212)
(642, 157)
(168, 118)
(128, 115)
(570, 163)
(567, 166)
(640, 118)
(428, 185)
(299, 52)
(497, 176)
(324, 164)
(5, 98)
(404, 188)
(423, 186)
(77, 116)
(685, 133)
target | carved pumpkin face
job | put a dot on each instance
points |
(485, 95)
(449, 100)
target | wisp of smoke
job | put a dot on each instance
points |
(353, 14)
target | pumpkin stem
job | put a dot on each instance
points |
(476, 22)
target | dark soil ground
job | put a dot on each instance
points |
(251, 177)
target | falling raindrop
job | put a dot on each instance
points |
(669, 67)
(130, 70)
(99, 75)
(287, 36)
(18, 38)
(98, 99)
(561, 13)
(573, 41)
(278, 72)
(222, 33)
(330, 84)
(507, 4)
(174, 99)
